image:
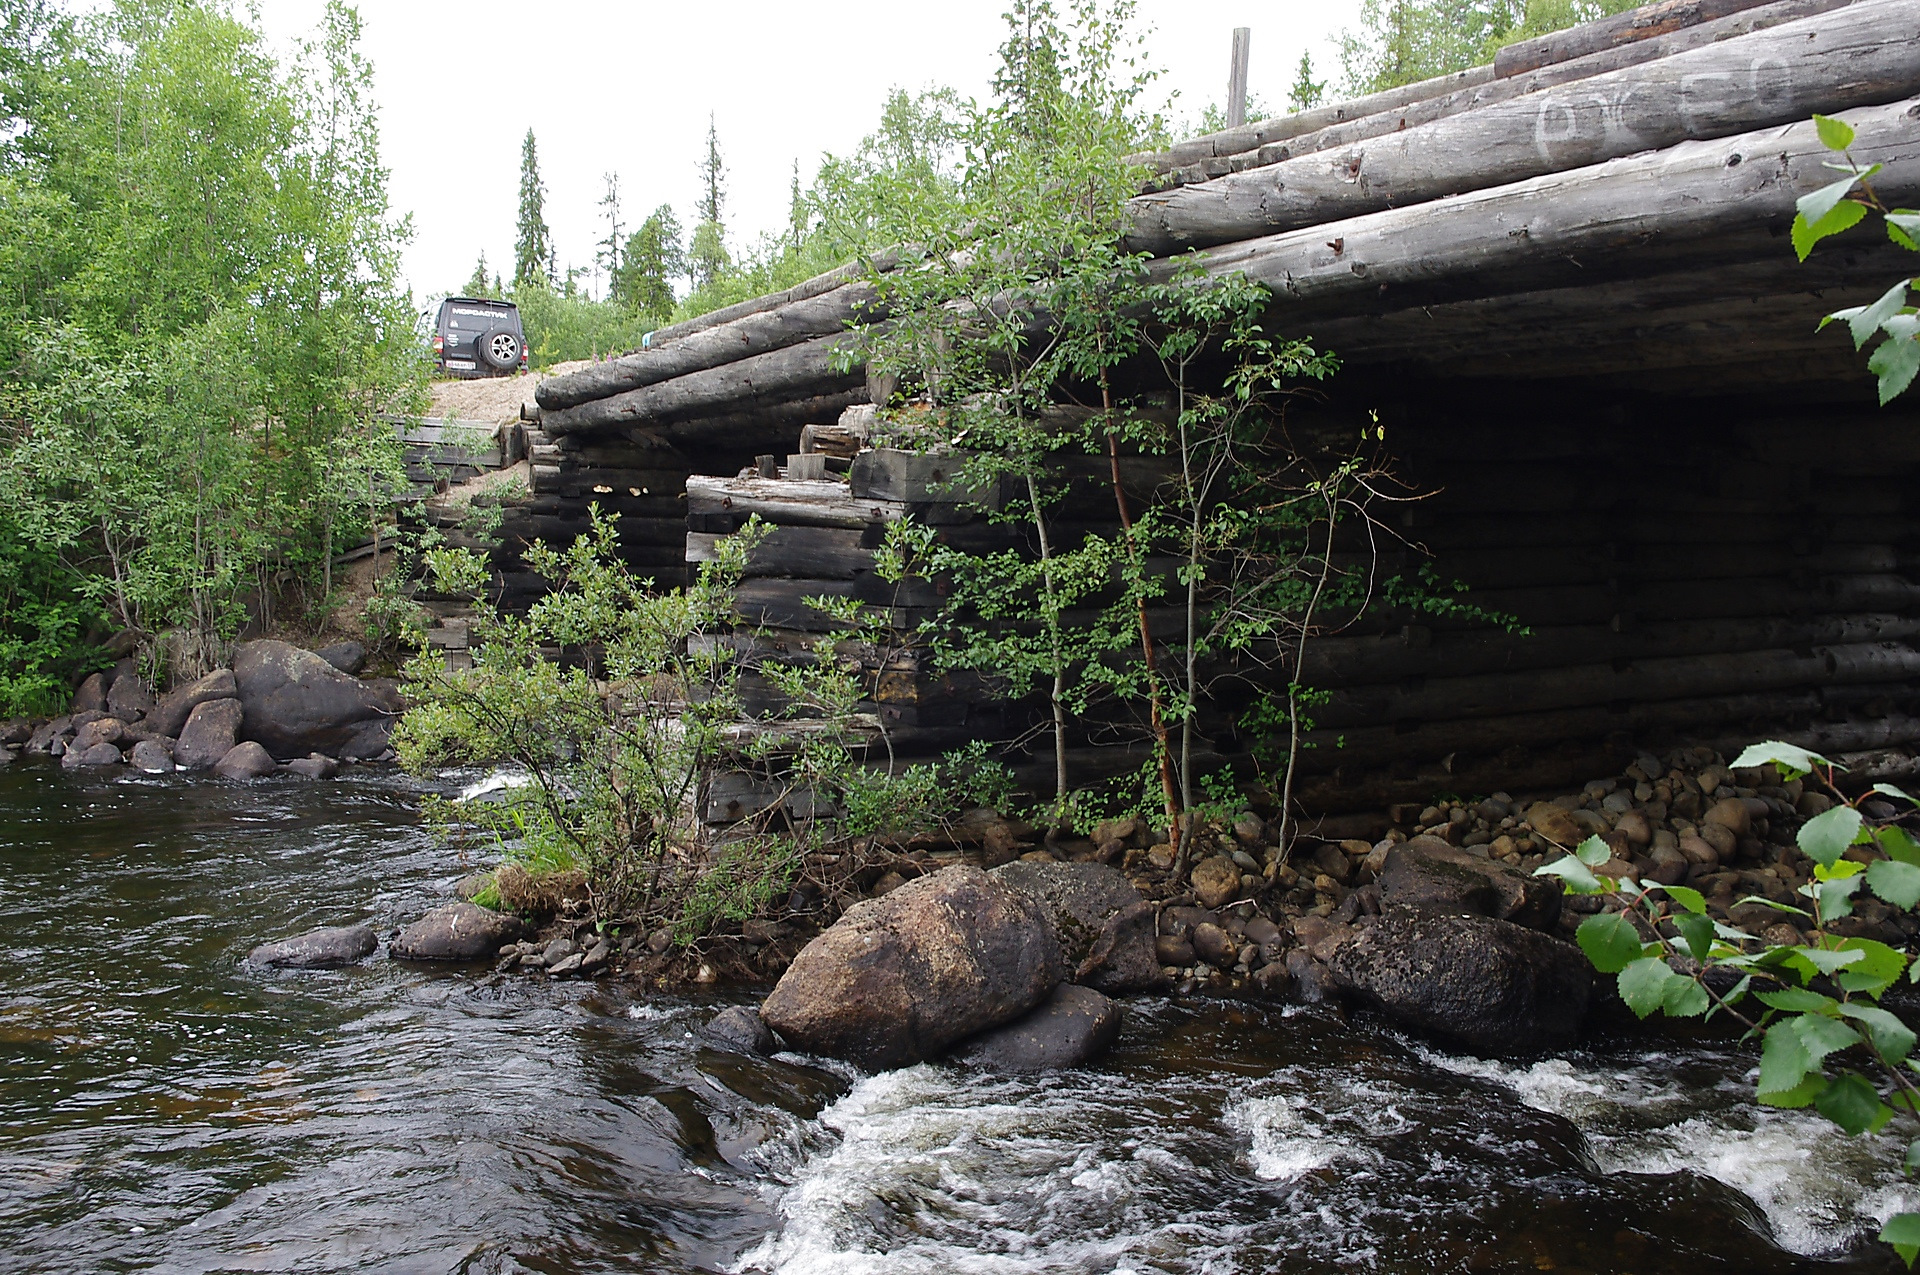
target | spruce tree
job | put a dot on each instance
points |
(652, 260)
(607, 252)
(533, 242)
(709, 253)
(477, 285)
(1306, 91)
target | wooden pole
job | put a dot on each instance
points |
(1237, 78)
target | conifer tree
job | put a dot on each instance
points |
(653, 258)
(477, 285)
(607, 253)
(710, 260)
(533, 254)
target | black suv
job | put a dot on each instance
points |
(477, 337)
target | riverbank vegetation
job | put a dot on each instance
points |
(203, 323)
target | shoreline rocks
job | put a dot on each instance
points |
(900, 979)
(1073, 1026)
(457, 932)
(326, 948)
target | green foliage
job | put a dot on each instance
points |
(202, 326)
(1839, 206)
(654, 257)
(1824, 1041)
(622, 738)
(1306, 92)
(561, 327)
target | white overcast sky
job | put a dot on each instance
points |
(619, 87)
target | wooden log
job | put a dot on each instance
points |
(821, 553)
(752, 429)
(1427, 110)
(1601, 34)
(1417, 651)
(1857, 55)
(1488, 241)
(884, 261)
(772, 328)
(1579, 686)
(826, 503)
(805, 370)
(1248, 137)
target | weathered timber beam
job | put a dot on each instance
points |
(772, 328)
(1635, 25)
(1744, 291)
(1414, 114)
(804, 370)
(883, 261)
(1863, 54)
(1582, 686)
(796, 502)
(1678, 197)
(1252, 136)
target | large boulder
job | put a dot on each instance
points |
(348, 657)
(91, 695)
(1104, 928)
(1075, 1025)
(324, 948)
(458, 932)
(1495, 987)
(1428, 873)
(97, 755)
(151, 755)
(212, 729)
(245, 760)
(739, 1029)
(170, 715)
(128, 698)
(296, 704)
(899, 979)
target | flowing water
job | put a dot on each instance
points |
(163, 1108)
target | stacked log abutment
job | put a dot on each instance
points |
(1660, 574)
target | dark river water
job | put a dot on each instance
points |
(163, 1108)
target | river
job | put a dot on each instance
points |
(164, 1108)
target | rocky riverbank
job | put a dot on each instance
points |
(277, 709)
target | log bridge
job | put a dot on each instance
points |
(1564, 281)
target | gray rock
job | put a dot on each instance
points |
(348, 657)
(98, 755)
(900, 979)
(103, 730)
(318, 766)
(1490, 985)
(1428, 873)
(152, 756)
(566, 964)
(296, 703)
(41, 741)
(557, 951)
(15, 731)
(170, 715)
(1274, 981)
(129, 699)
(741, 1030)
(324, 948)
(91, 696)
(1313, 983)
(211, 731)
(457, 932)
(1075, 1025)
(245, 760)
(1104, 928)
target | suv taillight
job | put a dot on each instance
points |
(438, 344)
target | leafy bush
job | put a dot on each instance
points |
(1825, 1041)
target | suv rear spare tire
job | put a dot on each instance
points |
(499, 349)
